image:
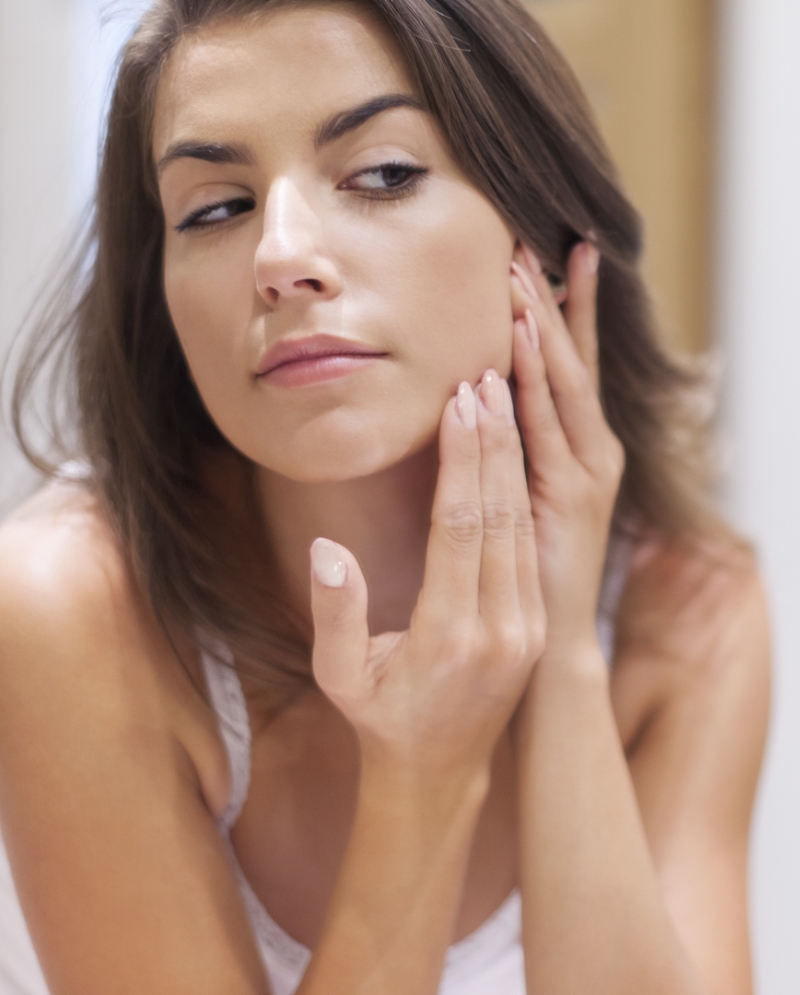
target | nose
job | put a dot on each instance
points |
(289, 263)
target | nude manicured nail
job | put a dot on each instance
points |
(465, 406)
(491, 393)
(533, 329)
(508, 404)
(591, 257)
(328, 563)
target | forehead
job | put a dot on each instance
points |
(291, 67)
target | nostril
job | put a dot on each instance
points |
(315, 285)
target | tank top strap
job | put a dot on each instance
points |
(228, 701)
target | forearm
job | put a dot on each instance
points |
(593, 910)
(393, 913)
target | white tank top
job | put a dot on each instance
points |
(487, 962)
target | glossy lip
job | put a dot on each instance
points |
(310, 348)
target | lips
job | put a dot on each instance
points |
(313, 347)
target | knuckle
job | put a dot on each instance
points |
(537, 636)
(613, 461)
(525, 526)
(461, 523)
(498, 519)
(510, 642)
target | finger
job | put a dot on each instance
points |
(528, 587)
(539, 283)
(339, 610)
(571, 384)
(580, 309)
(575, 345)
(498, 595)
(542, 432)
(574, 395)
(453, 557)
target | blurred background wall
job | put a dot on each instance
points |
(700, 103)
(649, 69)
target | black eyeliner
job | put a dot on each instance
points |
(190, 221)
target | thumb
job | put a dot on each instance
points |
(339, 609)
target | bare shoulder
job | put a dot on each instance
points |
(69, 610)
(109, 779)
(78, 642)
(691, 623)
(690, 690)
(62, 573)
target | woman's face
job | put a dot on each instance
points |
(298, 206)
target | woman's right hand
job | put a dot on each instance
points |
(434, 699)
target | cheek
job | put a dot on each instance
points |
(207, 291)
(210, 300)
(455, 292)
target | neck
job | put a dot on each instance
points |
(383, 519)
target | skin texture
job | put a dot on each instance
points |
(466, 736)
(326, 259)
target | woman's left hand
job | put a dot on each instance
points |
(576, 461)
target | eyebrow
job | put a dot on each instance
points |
(329, 131)
(340, 124)
(233, 154)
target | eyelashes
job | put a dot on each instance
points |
(399, 178)
(388, 181)
(203, 217)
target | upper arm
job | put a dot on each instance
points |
(699, 651)
(120, 868)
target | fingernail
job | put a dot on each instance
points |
(527, 284)
(491, 393)
(533, 260)
(328, 563)
(533, 329)
(508, 404)
(465, 406)
(591, 257)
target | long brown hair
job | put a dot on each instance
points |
(517, 122)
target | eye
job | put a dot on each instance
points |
(390, 179)
(213, 215)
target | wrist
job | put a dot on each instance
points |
(577, 657)
(417, 790)
(565, 673)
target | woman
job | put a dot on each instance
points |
(328, 235)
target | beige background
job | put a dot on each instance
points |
(648, 68)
